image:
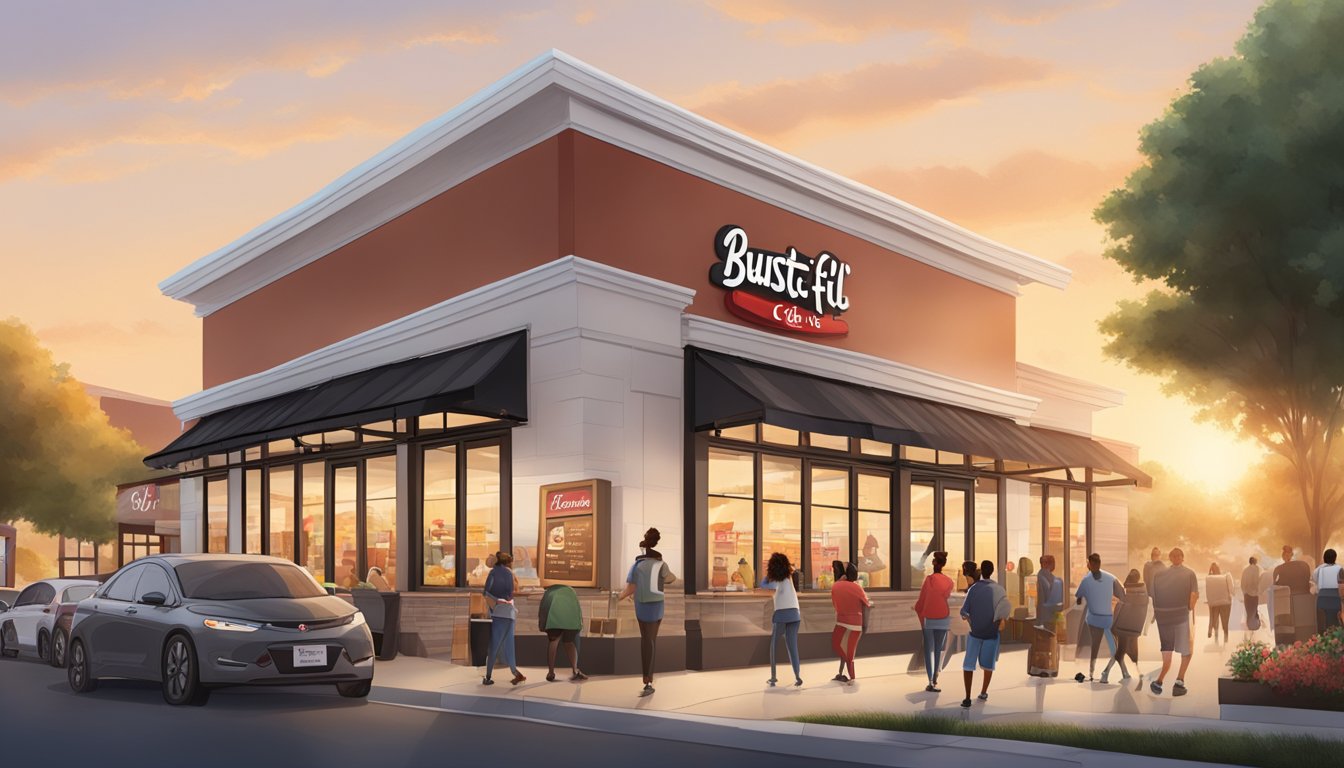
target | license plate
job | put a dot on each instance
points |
(310, 656)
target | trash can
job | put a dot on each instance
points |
(382, 610)
(478, 641)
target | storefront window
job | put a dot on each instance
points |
(380, 517)
(344, 541)
(440, 517)
(782, 510)
(875, 448)
(732, 511)
(483, 483)
(252, 511)
(745, 432)
(778, 435)
(828, 442)
(830, 520)
(217, 514)
(1078, 536)
(874, 530)
(1022, 522)
(1054, 527)
(314, 520)
(280, 539)
(987, 522)
(954, 531)
(922, 534)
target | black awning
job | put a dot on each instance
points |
(485, 379)
(729, 391)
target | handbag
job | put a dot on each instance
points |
(871, 563)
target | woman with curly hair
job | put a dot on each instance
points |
(786, 620)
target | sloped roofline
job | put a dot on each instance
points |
(556, 92)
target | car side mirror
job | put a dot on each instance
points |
(3, 606)
(153, 598)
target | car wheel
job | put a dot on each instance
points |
(43, 645)
(9, 640)
(181, 677)
(79, 672)
(60, 643)
(356, 690)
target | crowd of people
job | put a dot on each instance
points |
(1300, 601)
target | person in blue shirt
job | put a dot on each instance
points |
(985, 609)
(1097, 589)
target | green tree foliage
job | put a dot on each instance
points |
(60, 460)
(1238, 213)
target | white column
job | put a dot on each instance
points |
(404, 528)
(192, 490)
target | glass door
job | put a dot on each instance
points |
(940, 520)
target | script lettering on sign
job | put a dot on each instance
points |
(790, 290)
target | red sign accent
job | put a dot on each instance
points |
(783, 315)
(576, 501)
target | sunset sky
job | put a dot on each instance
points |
(136, 137)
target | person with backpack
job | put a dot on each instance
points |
(648, 577)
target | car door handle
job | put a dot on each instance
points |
(130, 610)
(46, 610)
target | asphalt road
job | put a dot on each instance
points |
(44, 723)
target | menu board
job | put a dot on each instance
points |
(574, 530)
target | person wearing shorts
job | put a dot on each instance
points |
(1175, 594)
(982, 609)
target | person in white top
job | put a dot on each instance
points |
(1250, 593)
(1218, 593)
(1327, 580)
(779, 575)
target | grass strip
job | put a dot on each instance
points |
(1231, 747)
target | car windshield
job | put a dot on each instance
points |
(75, 594)
(234, 580)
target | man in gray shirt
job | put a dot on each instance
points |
(1175, 592)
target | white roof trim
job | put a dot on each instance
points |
(116, 394)
(553, 93)
(1057, 385)
(855, 367)
(424, 332)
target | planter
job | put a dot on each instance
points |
(1252, 702)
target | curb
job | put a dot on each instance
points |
(822, 742)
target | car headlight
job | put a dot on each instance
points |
(231, 625)
(357, 619)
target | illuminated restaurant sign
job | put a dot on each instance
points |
(789, 291)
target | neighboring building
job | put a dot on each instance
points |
(411, 369)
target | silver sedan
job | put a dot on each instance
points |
(192, 622)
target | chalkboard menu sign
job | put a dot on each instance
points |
(575, 530)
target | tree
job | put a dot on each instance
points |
(1270, 510)
(60, 460)
(1238, 213)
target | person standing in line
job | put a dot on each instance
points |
(1097, 589)
(645, 583)
(779, 575)
(561, 618)
(1130, 618)
(1218, 594)
(1175, 595)
(982, 611)
(934, 618)
(1250, 593)
(1150, 571)
(1326, 579)
(850, 603)
(1296, 576)
(500, 585)
(1049, 607)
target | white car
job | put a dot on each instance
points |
(27, 625)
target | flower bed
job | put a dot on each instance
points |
(1306, 674)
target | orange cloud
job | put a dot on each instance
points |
(807, 20)
(1027, 185)
(870, 93)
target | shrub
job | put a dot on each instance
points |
(1314, 667)
(1246, 660)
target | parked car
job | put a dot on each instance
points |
(193, 622)
(27, 625)
(7, 597)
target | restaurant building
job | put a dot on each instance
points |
(568, 311)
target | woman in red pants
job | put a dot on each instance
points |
(850, 602)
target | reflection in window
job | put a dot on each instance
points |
(986, 537)
(732, 491)
(483, 513)
(252, 511)
(874, 530)
(1022, 523)
(281, 512)
(1077, 536)
(217, 515)
(440, 517)
(921, 533)
(830, 520)
(380, 517)
(344, 544)
(313, 520)
(782, 510)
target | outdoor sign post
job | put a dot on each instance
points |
(575, 534)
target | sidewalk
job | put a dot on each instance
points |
(735, 708)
